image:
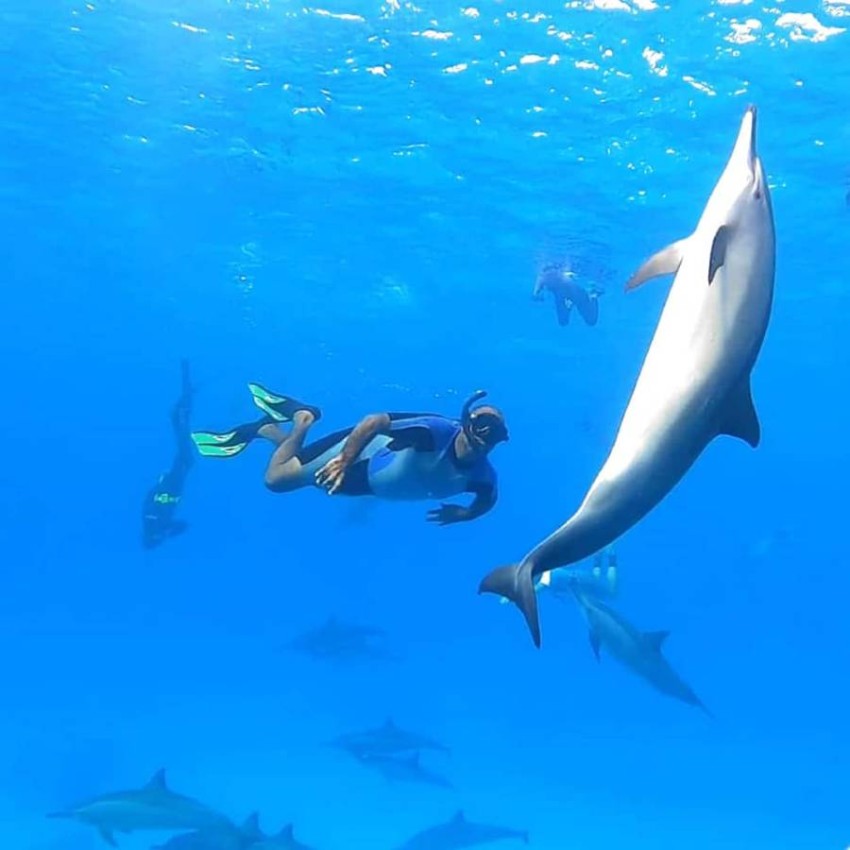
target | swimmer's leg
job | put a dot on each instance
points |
(588, 306)
(285, 471)
(563, 306)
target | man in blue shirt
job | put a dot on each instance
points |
(395, 456)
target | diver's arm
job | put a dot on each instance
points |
(359, 438)
(447, 514)
(485, 499)
(332, 475)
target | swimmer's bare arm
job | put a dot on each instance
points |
(446, 514)
(332, 474)
(359, 438)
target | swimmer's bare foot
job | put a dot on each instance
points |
(303, 418)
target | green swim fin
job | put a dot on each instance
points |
(280, 408)
(229, 443)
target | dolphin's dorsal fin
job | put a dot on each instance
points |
(459, 817)
(157, 781)
(666, 261)
(595, 643)
(251, 825)
(656, 639)
(287, 833)
(413, 760)
(739, 415)
(388, 723)
(718, 251)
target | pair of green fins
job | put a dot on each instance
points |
(277, 408)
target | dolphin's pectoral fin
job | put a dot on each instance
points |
(718, 251)
(666, 261)
(739, 416)
(656, 639)
(594, 643)
(107, 836)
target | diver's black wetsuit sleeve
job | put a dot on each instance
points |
(485, 498)
(415, 431)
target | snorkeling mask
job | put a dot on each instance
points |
(484, 428)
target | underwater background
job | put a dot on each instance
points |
(351, 203)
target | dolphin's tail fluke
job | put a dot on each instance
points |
(516, 583)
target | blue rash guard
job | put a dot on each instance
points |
(419, 462)
(413, 460)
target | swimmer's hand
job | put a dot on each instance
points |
(332, 474)
(448, 514)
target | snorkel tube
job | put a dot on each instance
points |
(466, 411)
(489, 430)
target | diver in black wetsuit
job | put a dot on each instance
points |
(568, 293)
(162, 500)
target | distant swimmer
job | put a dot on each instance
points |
(393, 456)
(567, 293)
(163, 499)
(602, 579)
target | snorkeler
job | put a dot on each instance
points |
(602, 579)
(161, 502)
(394, 456)
(560, 280)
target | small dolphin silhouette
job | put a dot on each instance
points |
(284, 840)
(340, 642)
(458, 832)
(402, 769)
(227, 836)
(639, 651)
(388, 739)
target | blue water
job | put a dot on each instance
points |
(350, 203)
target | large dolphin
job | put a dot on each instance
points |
(695, 380)
(458, 832)
(640, 651)
(153, 807)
